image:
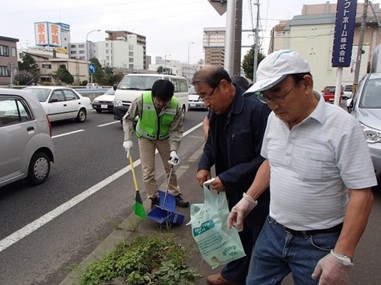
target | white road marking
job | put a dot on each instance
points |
(36, 224)
(66, 134)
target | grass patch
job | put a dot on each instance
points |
(150, 260)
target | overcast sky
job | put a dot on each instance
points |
(170, 26)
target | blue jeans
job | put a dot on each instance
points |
(278, 253)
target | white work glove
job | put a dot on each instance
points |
(173, 158)
(240, 211)
(331, 271)
(128, 146)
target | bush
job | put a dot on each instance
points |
(150, 260)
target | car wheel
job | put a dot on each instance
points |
(39, 168)
(81, 117)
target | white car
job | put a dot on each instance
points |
(26, 145)
(61, 103)
(104, 102)
(194, 101)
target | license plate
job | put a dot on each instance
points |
(104, 106)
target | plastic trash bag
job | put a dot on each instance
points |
(217, 244)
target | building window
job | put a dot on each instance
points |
(46, 65)
(4, 50)
(81, 52)
(81, 46)
(14, 52)
(4, 71)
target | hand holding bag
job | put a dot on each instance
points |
(217, 244)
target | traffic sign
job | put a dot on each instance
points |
(92, 68)
(219, 5)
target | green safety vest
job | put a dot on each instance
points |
(150, 125)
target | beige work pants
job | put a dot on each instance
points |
(147, 158)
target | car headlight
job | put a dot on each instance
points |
(95, 101)
(118, 103)
(372, 135)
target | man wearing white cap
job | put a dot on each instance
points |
(320, 175)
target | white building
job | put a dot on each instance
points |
(125, 54)
(312, 34)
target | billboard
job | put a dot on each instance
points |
(344, 31)
(50, 34)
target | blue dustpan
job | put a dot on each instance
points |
(166, 213)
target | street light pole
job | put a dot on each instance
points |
(188, 66)
(88, 51)
(165, 63)
(191, 43)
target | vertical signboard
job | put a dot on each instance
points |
(344, 31)
(54, 34)
(41, 33)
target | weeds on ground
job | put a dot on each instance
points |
(142, 260)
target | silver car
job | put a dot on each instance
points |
(366, 107)
(27, 149)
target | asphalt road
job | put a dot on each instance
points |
(46, 230)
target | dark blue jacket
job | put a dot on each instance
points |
(244, 131)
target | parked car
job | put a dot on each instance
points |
(366, 107)
(61, 103)
(27, 149)
(194, 101)
(105, 102)
(329, 93)
(347, 92)
(92, 85)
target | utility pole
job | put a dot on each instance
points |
(360, 45)
(237, 40)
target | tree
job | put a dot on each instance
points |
(24, 77)
(28, 64)
(64, 75)
(248, 62)
(99, 75)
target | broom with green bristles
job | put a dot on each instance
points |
(138, 207)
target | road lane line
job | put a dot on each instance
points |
(36, 224)
(107, 124)
(66, 134)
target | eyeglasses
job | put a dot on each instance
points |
(274, 99)
(207, 97)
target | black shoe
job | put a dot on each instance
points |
(180, 202)
(154, 201)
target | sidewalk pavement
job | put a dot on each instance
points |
(192, 192)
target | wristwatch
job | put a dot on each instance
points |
(344, 260)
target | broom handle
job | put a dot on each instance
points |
(133, 173)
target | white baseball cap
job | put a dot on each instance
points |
(275, 67)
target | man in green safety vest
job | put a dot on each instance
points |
(159, 126)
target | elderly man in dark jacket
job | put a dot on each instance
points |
(237, 125)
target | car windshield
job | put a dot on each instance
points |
(110, 91)
(137, 82)
(41, 94)
(191, 91)
(371, 97)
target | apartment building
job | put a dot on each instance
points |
(312, 35)
(214, 46)
(8, 60)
